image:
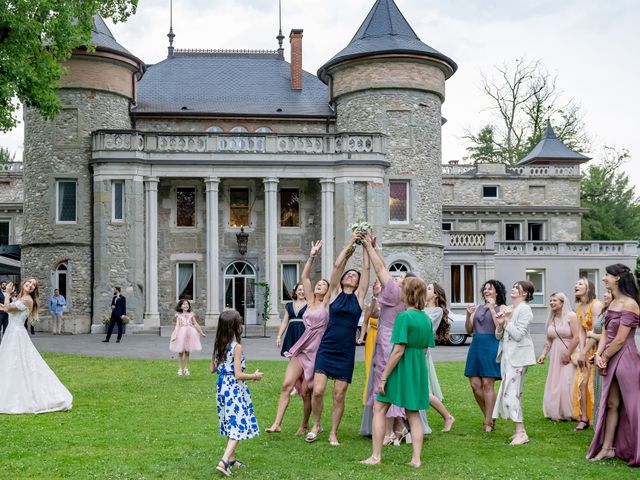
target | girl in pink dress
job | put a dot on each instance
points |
(186, 336)
(300, 370)
(618, 424)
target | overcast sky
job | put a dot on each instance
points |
(591, 45)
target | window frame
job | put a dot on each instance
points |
(543, 231)
(114, 219)
(497, 195)
(539, 294)
(58, 183)
(396, 270)
(240, 187)
(519, 224)
(8, 222)
(280, 190)
(407, 220)
(195, 205)
(447, 229)
(462, 283)
(583, 272)
(177, 284)
(282, 285)
(57, 272)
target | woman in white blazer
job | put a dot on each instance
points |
(515, 354)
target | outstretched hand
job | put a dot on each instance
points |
(257, 375)
(315, 248)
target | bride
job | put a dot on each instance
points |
(27, 384)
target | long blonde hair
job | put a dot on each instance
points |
(566, 308)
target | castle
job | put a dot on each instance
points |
(211, 171)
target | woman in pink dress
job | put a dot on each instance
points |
(618, 427)
(186, 336)
(562, 340)
(300, 370)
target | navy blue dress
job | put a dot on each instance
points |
(337, 351)
(295, 329)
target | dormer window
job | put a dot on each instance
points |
(215, 129)
(264, 130)
(239, 130)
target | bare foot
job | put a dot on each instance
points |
(274, 429)
(333, 440)
(302, 430)
(448, 423)
(414, 464)
(371, 461)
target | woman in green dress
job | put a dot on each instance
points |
(405, 380)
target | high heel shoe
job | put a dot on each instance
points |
(400, 436)
(389, 439)
(582, 425)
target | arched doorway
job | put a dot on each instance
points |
(240, 290)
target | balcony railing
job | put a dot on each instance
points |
(132, 141)
(523, 171)
(480, 241)
(11, 167)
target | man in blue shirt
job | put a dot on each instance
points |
(56, 305)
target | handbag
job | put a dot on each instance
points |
(575, 354)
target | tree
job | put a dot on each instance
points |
(613, 207)
(523, 98)
(35, 36)
(6, 156)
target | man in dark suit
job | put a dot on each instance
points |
(4, 316)
(118, 310)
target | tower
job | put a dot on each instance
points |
(386, 80)
(59, 234)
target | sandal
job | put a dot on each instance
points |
(389, 439)
(224, 468)
(179, 372)
(312, 436)
(413, 464)
(236, 463)
(488, 427)
(599, 456)
(582, 425)
(400, 436)
(371, 461)
(520, 438)
(273, 429)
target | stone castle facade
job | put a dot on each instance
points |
(152, 177)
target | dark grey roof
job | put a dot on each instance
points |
(550, 148)
(385, 30)
(228, 83)
(103, 39)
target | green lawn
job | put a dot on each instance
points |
(135, 419)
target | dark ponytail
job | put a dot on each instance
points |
(627, 284)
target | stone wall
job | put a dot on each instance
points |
(412, 121)
(55, 150)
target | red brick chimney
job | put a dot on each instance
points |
(295, 38)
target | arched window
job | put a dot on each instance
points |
(397, 269)
(62, 280)
(240, 290)
(264, 130)
(239, 130)
(215, 130)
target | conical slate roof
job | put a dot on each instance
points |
(103, 39)
(550, 148)
(385, 30)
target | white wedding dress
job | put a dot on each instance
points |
(27, 384)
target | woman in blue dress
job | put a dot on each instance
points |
(292, 321)
(336, 354)
(482, 368)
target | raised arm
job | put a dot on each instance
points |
(339, 264)
(306, 272)
(377, 260)
(363, 286)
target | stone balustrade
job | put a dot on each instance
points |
(214, 142)
(11, 167)
(522, 171)
(567, 248)
(471, 240)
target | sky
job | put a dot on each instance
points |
(588, 44)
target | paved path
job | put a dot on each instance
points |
(157, 347)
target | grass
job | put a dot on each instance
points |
(135, 419)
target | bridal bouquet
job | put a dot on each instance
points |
(361, 226)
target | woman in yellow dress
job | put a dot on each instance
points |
(371, 313)
(587, 310)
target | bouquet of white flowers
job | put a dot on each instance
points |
(361, 226)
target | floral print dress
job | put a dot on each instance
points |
(235, 408)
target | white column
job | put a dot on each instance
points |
(328, 217)
(151, 315)
(213, 289)
(271, 243)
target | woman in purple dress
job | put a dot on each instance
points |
(482, 368)
(303, 353)
(618, 427)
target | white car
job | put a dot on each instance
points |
(457, 333)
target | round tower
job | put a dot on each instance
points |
(57, 248)
(388, 81)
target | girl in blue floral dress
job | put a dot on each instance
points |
(235, 409)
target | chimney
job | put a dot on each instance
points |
(295, 38)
